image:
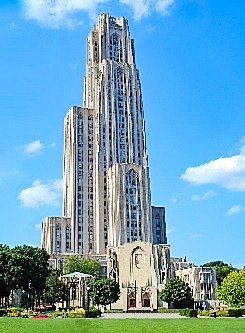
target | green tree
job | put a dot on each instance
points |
(232, 289)
(104, 291)
(29, 270)
(5, 277)
(222, 269)
(84, 265)
(55, 289)
(178, 293)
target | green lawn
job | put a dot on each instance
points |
(200, 325)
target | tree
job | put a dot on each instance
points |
(85, 265)
(55, 289)
(5, 277)
(104, 291)
(29, 270)
(178, 293)
(222, 269)
(232, 289)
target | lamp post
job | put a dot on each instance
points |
(88, 289)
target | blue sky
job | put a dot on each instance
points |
(190, 54)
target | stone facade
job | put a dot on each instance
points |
(202, 280)
(141, 269)
(56, 235)
(106, 189)
(106, 185)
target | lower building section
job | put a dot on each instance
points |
(202, 280)
(56, 235)
(141, 269)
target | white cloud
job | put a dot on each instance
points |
(38, 226)
(57, 13)
(142, 8)
(236, 209)
(205, 196)
(163, 6)
(170, 230)
(227, 172)
(33, 147)
(196, 236)
(40, 194)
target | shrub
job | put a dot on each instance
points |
(188, 313)
(92, 313)
(113, 311)
(14, 312)
(222, 313)
(165, 310)
(74, 314)
(58, 314)
(235, 313)
(3, 312)
(205, 313)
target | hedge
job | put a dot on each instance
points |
(188, 313)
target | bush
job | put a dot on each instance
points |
(14, 312)
(74, 314)
(77, 313)
(205, 313)
(188, 313)
(235, 312)
(3, 312)
(113, 311)
(58, 314)
(165, 310)
(92, 313)
(221, 313)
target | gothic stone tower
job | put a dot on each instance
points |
(106, 186)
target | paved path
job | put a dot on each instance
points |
(140, 315)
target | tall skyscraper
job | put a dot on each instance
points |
(106, 177)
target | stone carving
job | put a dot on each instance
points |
(112, 264)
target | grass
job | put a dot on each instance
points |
(200, 325)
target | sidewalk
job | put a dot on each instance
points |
(141, 315)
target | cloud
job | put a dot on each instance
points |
(38, 226)
(60, 13)
(227, 172)
(196, 236)
(170, 230)
(205, 196)
(33, 147)
(57, 13)
(143, 8)
(40, 194)
(236, 209)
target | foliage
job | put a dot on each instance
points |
(55, 290)
(222, 269)
(232, 289)
(178, 293)
(188, 313)
(104, 291)
(3, 312)
(93, 312)
(235, 312)
(23, 267)
(165, 310)
(85, 265)
(5, 278)
(205, 313)
(29, 268)
(77, 313)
